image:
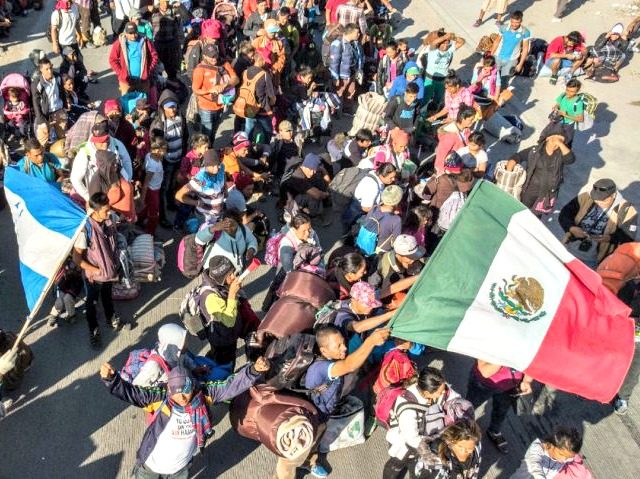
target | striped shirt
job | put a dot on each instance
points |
(173, 135)
(210, 192)
(350, 13)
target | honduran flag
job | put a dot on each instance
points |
(500, 287)
(46, 223)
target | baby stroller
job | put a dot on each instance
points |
(17, 114)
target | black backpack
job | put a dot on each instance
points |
(290, 357)
(535, 58)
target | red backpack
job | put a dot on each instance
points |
(394, 374)
(190, 257)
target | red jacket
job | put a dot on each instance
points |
(119, 62)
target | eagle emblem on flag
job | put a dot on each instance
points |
(520, 298)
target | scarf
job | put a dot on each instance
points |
(197, 409)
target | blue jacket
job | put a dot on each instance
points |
(345, 59)
(154, 398)
(399, 85)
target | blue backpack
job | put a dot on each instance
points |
(137, 358)
(367, 240)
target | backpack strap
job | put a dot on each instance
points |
(411, 403)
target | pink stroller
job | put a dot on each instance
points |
(16, 94)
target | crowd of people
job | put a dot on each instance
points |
(285, 72)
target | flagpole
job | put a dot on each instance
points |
(36, 308)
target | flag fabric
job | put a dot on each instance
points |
(46, 223)
(501, 288)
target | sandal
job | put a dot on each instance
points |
(499, 441)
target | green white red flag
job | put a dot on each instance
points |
(500, 287)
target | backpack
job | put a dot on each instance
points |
(486, 43)
(190, 257)
(137, 358)
(332, 33)
(431, 419)
(189, 311)
(328, 313)
(367, 240)
(590, 103)
(102, 251)
(343, 186)
(290, 357)
(246, 105)
(272, 250)
(48, 30)
(450, 208)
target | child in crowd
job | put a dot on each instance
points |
(150, 194)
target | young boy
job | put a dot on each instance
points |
(474, 155)
(357, 148)
(150, 194)
(401, 110)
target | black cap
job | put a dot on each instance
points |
(219, 268)
(603, 189)
(131, 28)
(210, 50)
(210, 158)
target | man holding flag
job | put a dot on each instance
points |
(524, 303)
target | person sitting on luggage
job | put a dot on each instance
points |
(181, 423)
(170, 348)
(401, 110)
(456, 453)
(307, 186)
(402, 262)
(232, 239)
(326, 375)
(298, 233)
(385, 220)
(412, 428)
(608, 51)
(219, 305)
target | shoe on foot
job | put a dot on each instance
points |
(553, 80)
(316, 470)
(89, 45)
(621, 406)
(556, 20)
(477, 23)
(370, 425)
(94, 338)
(116, 322)
(52, 319)
(499, 441)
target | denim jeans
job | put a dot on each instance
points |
(265, 126)
(210, 121)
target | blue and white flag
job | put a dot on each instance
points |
(46, 223)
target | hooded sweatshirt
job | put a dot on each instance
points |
(171, 339)
(173, 130)
(399, 85)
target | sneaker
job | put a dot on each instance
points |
(52, 320)
(499, 441)
(116, 322)
(620, 406)
(370, 426)
(94, 338)
(477, 23)
(316, 470)
(553, 80)
(556, 20)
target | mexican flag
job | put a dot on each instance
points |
(500, 287)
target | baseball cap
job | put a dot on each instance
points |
(271, 26)
(413, 71)
(392, 195)
(179, 381)
(100, 133)
(406, 245)
(111, 105)
(365, 294)
(210, 50)
(170, 104)
(312, 161)
(219, 268)
(453, 163)
(131, 28)
(602, 189)
(285, 125)
(210, 158)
